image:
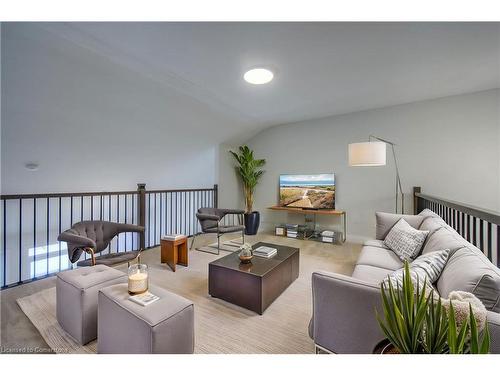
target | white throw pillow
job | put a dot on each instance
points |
(426, 268)
(405, 240)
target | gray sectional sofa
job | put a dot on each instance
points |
(344, 306)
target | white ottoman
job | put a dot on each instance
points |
(76, 292)
(165, 326)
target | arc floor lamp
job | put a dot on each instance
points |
(373, 154)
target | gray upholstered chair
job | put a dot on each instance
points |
(211, 221)
(93, 237)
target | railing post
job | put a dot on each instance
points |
(141, 212)
(416, 189)
(216, 196)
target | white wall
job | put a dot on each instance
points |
(448, 146)
(93, 125)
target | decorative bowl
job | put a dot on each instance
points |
(245, 254)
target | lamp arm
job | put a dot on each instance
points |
(398, 179)
(381, 139)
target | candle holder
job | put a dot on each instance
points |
(138, 279)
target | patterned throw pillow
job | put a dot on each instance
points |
(405, 240)
(427, 267)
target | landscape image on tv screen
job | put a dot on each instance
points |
(307, 190)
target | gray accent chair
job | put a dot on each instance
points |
(93, 237)
(211, 221)
(344, 307)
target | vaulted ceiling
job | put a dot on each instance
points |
(321, 69)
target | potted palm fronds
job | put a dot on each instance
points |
(250, 172)
(417, 322)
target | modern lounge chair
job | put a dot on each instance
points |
(211, 221)
(93, 237)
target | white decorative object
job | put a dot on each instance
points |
(138, 279)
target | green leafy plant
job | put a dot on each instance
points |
(404, 314)
(414, 323)
(249, 171)
(467, 338)
(435, 331)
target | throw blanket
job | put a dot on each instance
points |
(460, 301)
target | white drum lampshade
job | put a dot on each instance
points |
(367, 154)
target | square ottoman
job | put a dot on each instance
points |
(76, 292)
(165, 326)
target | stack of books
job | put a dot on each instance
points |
(328, 236)
(265, 252)
(292, 230)
(173, 237)
(144, 299)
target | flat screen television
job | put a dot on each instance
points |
(315, 191)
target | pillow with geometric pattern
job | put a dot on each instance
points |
(425, 269)
(405, 240)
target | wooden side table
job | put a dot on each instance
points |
(174, 252)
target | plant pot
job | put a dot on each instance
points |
(385, 347)
(252, 222)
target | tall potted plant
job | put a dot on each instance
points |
(250, 172)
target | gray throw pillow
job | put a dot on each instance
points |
(426, 268)
(405, 240)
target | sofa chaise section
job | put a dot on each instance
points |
(344, 319)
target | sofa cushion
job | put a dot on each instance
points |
(370, 274)
(379, 257)
(469, 270)
(432, 224)
(428, 213)
(444, 238)
(376, 243)
(425, 269)
(405, 240)
(385, 222)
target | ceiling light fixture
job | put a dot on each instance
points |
(258, 76)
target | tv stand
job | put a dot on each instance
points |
(314, 212)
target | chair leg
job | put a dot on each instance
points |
(90, 251)
(206, 251)
(192, 241)
(218, 244)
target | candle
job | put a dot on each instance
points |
(137, 282)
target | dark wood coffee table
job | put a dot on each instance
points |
(255, 285)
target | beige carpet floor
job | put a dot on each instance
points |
(221, 327)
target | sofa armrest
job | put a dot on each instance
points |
(494, 328)
(344, 319)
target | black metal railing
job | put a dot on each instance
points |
(31, 223)
(478, 226)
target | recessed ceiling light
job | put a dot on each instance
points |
(258, 76)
